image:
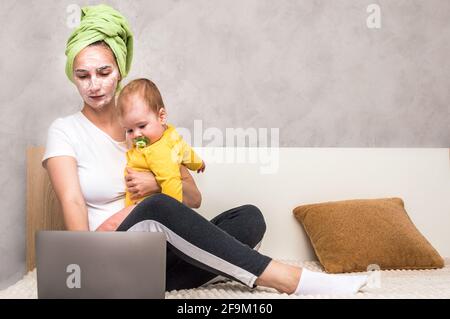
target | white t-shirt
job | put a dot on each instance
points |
(100, 160)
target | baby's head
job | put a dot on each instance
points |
(141, 110)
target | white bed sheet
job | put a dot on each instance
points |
(393, 284)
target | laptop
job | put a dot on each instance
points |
(100, 265)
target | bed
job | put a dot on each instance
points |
(406, 173)
(405, 284)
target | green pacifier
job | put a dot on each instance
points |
(141, 142)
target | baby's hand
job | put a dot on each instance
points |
(201, 169)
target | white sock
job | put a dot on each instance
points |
(315, 283)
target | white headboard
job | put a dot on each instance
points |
(421, 177)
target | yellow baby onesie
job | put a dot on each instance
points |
(164, 158)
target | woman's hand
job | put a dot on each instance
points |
(115, 220)
(141, 184)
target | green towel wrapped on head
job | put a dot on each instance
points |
(101, 23)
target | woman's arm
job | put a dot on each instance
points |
(141, 184)
(191, 194)
(64, 178)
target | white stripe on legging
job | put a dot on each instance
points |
(196, 253)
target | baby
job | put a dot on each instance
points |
(156, 145)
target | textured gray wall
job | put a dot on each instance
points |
(310, 68)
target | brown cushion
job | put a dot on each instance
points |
(350, 235)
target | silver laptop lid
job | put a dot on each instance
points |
(100, 264)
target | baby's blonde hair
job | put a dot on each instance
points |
(147, 90)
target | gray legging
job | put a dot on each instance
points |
(197, 249)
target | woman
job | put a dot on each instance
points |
(85, 156)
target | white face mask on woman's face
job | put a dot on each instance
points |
(96, 75)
